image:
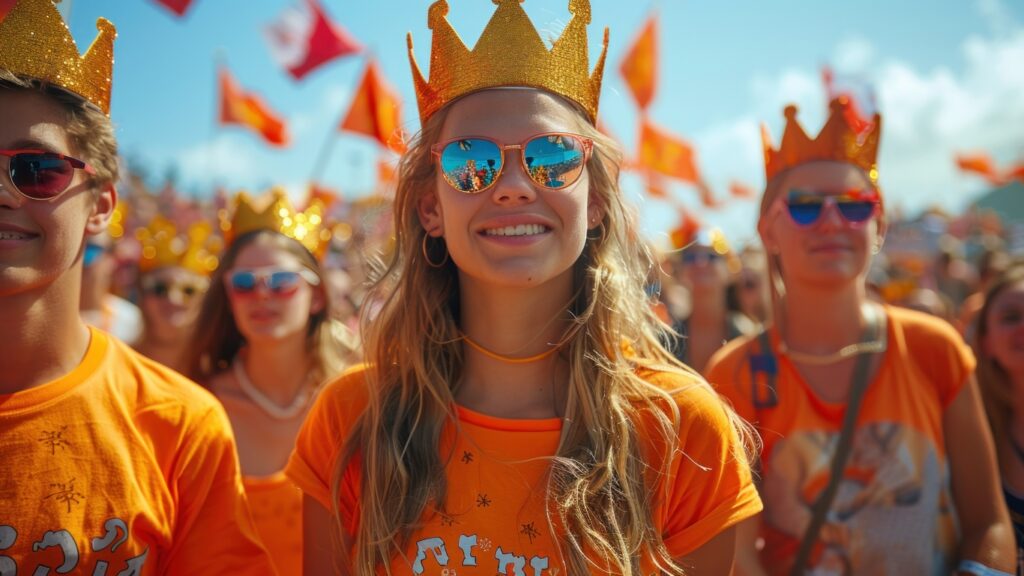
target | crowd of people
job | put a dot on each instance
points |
(489, 372)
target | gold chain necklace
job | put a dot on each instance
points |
(509, 359)
(868, 347)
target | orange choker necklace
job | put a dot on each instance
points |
(509, 359)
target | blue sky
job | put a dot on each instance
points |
(949, 75)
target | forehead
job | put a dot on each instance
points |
(509, 114)
(266, 250)
(828, 177)
(176, 274)
(1011, 297)
(31, 119)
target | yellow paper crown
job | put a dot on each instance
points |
(163, 246)
(35, 42)
(306, 227)
(510, 52)
(838, 140)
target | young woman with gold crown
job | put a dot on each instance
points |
(517, 413)
(875, 447)
(174, 272)
(266, 342)
(112, 464)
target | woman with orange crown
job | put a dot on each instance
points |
(267, 341)
(875, 445)
(112, 463)
(517, 413)
(173, 276)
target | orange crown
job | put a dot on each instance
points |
(279, 215)
(837, 141)
(510, 52)
(35, 42)
(162, 246)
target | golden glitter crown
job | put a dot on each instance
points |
(510, 52)
(35, 42)
(838, 140)
(163, 246)
(306, 227)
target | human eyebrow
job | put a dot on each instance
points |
(33, 144)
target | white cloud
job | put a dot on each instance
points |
(228, 157)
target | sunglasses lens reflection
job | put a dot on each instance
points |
(243, 282)
(554, 161)
(41, 176)
(471, 165)
(856, 211)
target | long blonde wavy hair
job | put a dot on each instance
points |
(601, 491)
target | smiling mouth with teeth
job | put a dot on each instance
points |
(520, 230)
(13, 236)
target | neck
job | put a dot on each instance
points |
(708, 308)
(823, 320)
(46, 336)
(278, 368)
(91, 296)
(517, 323)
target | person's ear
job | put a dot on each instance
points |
(431, 214)
(595, 213)
(102, 210)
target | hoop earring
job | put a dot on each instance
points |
(426, 254)
(599, 236)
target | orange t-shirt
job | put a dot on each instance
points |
(495, 519)
(121, 466)
(276, 505)
(893, 512)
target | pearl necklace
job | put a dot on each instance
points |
(868, 347)
(273, 409)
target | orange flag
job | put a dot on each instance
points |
(981, 164)
(326, 196)
(684, 233)
(741, 190)
(639, 68)
(666, 154)
(1016, 173)
(248, 109)
(707, 197)
(376, 111)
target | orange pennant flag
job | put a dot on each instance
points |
(376, 111)
(326, 196)
(639, 68)
(248, 109)
(655, 185)
(666, 154)
(707, 197)
(980, 164)
(741, 190)
(1016, 173)
(684, 233)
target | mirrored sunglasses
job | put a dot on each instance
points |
(277, 281)
(42, 175)
(855, 206)
(473, 164)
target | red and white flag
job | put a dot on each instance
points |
(179, 7)
(303, 39)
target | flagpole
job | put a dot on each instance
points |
(324, 155)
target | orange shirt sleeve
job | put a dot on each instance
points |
(313, 463)
(709, 484)
(214, 533)
(942, 353)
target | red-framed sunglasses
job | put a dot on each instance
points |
(42, 175)
(553, 160)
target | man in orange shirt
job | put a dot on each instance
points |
(112, 464)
